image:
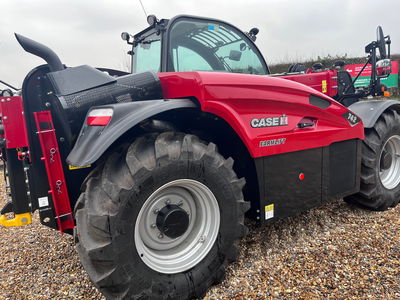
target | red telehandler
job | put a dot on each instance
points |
(154, 170)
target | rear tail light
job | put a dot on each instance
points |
(99, 117)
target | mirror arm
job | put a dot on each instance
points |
(374, 81)
(358, 75)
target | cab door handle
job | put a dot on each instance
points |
(306, 124)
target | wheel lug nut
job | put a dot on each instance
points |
(156, 211)
(160, 236)
(167, 201)
(202, 239)
(153, 225)
(180, 203)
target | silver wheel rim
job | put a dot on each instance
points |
(390, 177)
(173, 255)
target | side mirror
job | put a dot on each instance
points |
(235, 55)
(381, 43)
(383, 67)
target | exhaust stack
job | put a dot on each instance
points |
(42, 51)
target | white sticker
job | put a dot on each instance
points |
(43, 201)
(269, 211)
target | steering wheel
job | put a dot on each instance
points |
(380, 39)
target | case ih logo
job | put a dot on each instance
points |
(270, 122)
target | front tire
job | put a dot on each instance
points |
(380, 168)
(161, 219)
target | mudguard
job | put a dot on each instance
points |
(93, 141)
(370, 111)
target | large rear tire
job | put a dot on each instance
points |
(380, 169)
(161, 219)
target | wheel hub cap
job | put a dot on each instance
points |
(177, 226)
(389, 169)
(386, 160)
(172, 221)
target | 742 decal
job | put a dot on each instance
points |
(351, 118)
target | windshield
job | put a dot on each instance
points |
(147, 54)
(197, 45)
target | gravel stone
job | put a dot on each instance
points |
(338, 251)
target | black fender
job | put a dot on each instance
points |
(93, 141)
(370, 111)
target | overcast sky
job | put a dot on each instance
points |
(88, 31)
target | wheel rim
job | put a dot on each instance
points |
(390, 154)
(173, 255)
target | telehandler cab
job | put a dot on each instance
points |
(153, 171)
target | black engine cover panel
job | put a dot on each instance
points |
(78, 79)
(80, 88)
(298, 181)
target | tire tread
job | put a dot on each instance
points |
(372, 194)
(101, 200)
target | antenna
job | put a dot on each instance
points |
(145, 13)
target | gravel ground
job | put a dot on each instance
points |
(335, 252)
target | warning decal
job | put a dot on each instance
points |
(324, 86)
(269, 211)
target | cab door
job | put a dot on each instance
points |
(196, 44)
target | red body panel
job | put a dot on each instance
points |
(54, 170)
(14, 122)
(324, 81)
(240, 98)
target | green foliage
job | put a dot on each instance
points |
(327, 62)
